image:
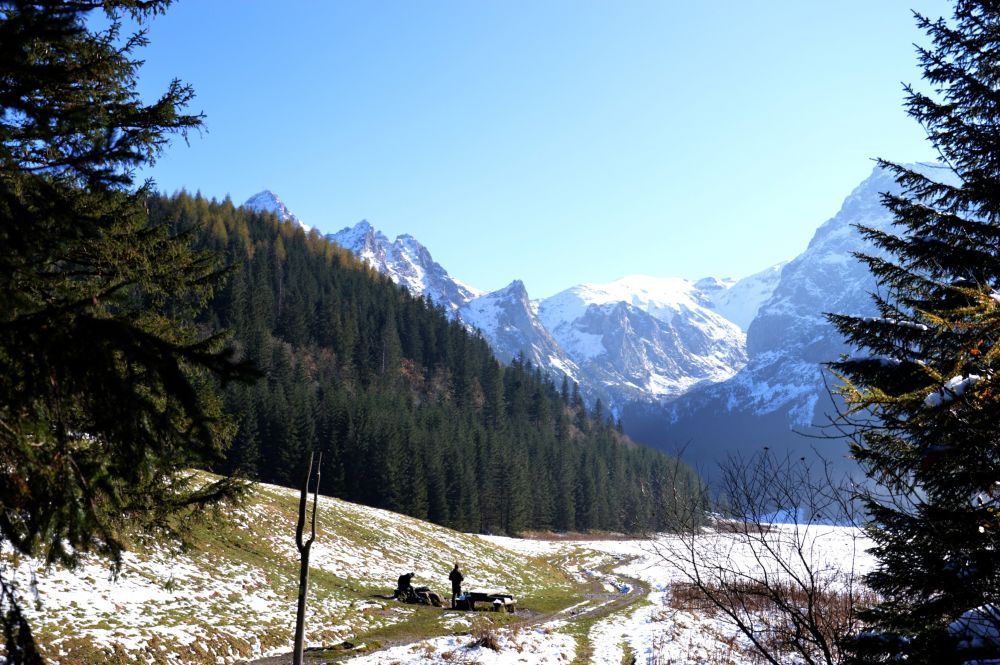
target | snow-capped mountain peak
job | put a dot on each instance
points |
(783, 388)
(515, 289)
(406, 262)
(268, 201)
(651, 337)
(739, 301)
(660, 297)
(361, 239)
(508, 320)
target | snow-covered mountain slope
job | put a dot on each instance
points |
(268, 201)
(643, 338)
(783, 387)
(406, 262)
(508, 321)
(739, 301)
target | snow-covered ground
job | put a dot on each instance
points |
(660, 633)
(654, 631)
(209, 606)
(229, 600)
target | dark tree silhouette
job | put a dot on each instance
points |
(923, 395)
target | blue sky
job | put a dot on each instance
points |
(556, 142)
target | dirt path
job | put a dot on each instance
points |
(596, 605)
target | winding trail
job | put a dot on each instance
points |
(597, 604)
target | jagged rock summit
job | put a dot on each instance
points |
(406, 262)
(508, 320)
(268, 201)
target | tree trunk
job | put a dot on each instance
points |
(303, 547)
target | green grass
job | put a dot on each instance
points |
(343, 607)
(628, 654)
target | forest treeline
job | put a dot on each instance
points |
(411, 410)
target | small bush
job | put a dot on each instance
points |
(485, 636)
(828, 609)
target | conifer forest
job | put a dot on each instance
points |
(411, 410)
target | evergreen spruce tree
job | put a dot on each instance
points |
(924, 399)
(107, 390)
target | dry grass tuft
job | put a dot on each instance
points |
(485, 636)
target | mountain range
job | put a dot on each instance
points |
(686, 364)
(639, 338)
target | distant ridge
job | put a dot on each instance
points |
(640, 338)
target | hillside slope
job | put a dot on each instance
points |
(229, 595)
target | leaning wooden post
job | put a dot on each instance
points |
(303, 546)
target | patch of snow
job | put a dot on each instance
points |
(900, 323)
(740, 301)
(978, 628)
(884, 361)
(953, 388)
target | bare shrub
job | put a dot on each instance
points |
(689, 597)
(761, 563)
(484, 635)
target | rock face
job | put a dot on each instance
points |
(782, 392)
(508, 320)
(644, 338)
(406, 262)
(268, 201)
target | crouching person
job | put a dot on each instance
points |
(404, 587)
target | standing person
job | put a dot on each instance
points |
(456, 583)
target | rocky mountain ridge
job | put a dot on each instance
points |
(268, 201)
(782, 394)
(406, 262)
(644, 338)
(670, 351)
(639, 338)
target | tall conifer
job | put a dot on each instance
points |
(107, 388)
(924, 396)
